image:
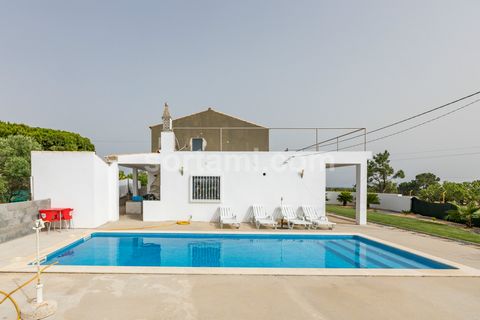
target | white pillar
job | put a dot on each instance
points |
(361, 194)
(135, 182)
(323, 195)
(114, 192)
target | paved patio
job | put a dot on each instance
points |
(108, 296)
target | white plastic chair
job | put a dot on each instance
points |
(262, 218)
(227, 216)
(318, 219)
(288, 213)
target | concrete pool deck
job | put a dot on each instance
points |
(123, 296)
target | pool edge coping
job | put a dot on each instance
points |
(21, 266)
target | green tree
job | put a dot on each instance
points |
(381, 174)
(421, 182)
(142, 177)
(122, 175)
(3, 189)
(372, 198)
(345, 197)
(474, 191)
(461, 193)
(456, 192)
(433, 193)
(408, 188)
(424, 180)
(49, 139)
(15, 164)
(465, 213)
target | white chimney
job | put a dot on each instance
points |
(167, 137)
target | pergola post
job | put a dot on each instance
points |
(361, 194)
(135, 182)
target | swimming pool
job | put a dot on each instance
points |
(237, 251)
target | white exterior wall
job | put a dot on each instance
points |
(388, 201)
(240, 190)
(79, 180)
(243, 183)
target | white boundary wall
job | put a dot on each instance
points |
(79, 180)
(388, 201)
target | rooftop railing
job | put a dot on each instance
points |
(314, 134)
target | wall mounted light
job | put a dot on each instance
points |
(302, 173)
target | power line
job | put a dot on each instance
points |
(437, 150)
(426, 112)
(401, 121)
(415, 126)
(440, 156)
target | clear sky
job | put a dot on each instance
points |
(105, 68)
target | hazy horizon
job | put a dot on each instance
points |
(104, 70)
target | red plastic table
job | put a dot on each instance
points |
(56, 214)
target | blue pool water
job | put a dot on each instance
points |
(237, 250)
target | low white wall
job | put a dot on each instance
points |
(388, 201)
(332, 197)
(79, 180)
(393, 202)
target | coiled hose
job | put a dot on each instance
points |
(9, 295)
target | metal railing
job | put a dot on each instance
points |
(334, 141)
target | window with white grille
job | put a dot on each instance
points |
(205, 188)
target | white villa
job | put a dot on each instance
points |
(192, 184)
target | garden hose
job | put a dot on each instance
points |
(179, 222)
(9, 295)
(15, 305)
(145, 227)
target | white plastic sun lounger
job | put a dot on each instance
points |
(227, 216)
(292, 219)
(318, 219)
(262, 218)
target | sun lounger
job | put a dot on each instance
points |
(317, 218)
(227, 216)
(262, 218)
(288, 214)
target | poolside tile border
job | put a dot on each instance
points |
(22, 264)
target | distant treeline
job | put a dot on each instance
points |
(49, 139)
(340, 189)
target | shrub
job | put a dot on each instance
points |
(465, 213)
(345, 197)
(372, 198)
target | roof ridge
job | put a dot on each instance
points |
(211, 109)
